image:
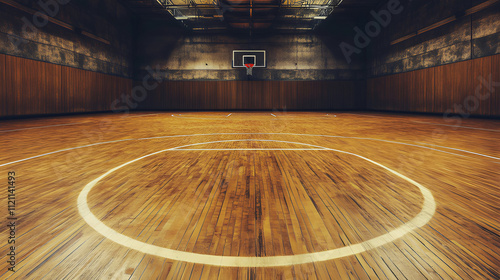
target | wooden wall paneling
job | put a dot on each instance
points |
(200, 93)
(320, 99)
(340, 94)
(289, 93)
(249, 96)
(153, 97)
(81, 89)
(107, 93)
(111, 91)
(66, 98)
(93, 91)
(172, 92)
(495, 77)
(427, 89)
(242, 91)
(406, 91)
(283, 99)
(50, 96)
(440, 88)
(308, 94)
(185, 94)
(435, 89)
(413, 92)
(98, 100)
(220, 90)
(3, 91)
(233, 90)
(207, 95)
(386, 89)
(381, 90)
(169, 92)
(34, 77)
(391, 97)
(68, 85)
(371, 93)
(396, 99)
(460, 87)
(196, 92)
(481, 70)
(11, 90)
(211, 96)
(187, 98)
(12, 85)
(20, 82)
(254, 95)
(37, 87)
(261, 96)
(273, 102)
(451, 85)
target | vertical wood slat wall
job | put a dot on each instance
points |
(439, 89)
(30, 87)
(256, 95)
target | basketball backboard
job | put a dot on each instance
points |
(242, 58)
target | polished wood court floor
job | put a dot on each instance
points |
(252, 185)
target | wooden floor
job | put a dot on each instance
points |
(217, 195)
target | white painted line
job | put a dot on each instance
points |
(458, 126)
(362, 115)
(252, 140)
(257, 149)
(455, 149)
(213, 134)
(273, 115)
(142, 116)
(63, 150)
(198, 118)
(36, 127)
(422, 218)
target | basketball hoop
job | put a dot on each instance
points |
(249, 67)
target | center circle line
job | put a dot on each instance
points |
(421, 219)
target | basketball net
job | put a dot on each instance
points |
(249, 67)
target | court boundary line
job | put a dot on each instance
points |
(455, 126)
(422, 218)
(213, 134)
(45, 126)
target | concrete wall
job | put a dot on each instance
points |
(23, 35)
(468, 37)
(182, 56)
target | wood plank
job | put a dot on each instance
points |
(254, 202)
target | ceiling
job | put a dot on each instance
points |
(252, 15)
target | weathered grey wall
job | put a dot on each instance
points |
(183, 56)
(106, 19)
(468, 37)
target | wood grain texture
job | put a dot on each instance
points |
(31, 87)
(256, 95)
(253, 202)
(438, 89)
(3, 92)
